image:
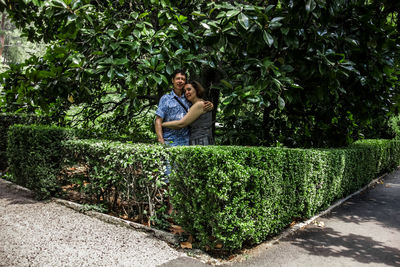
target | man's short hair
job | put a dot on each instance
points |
(180, 71)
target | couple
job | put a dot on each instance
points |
(182, 107)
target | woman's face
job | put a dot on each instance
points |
(190, 92)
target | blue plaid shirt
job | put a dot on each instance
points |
(170, 110)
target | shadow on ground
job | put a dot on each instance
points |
(8, 194)
(330, 243)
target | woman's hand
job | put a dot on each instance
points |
(208, 106)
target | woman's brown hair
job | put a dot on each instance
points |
(200, 91)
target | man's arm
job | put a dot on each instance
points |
(159, 130)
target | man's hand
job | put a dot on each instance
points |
(208, 106)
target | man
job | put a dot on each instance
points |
(174, 106)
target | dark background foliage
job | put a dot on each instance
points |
(296, 73)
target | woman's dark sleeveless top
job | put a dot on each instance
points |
(201, 130)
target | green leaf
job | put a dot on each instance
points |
(71, 18)
(281, 103)
(232, 13)
(268, 39)
(267, 63)
(310, 5)
(182, 18)
(274, 23)
(227, 84)
(195, 13)
(120, 61)
(144, 14)
(60, 2)
(276, 19)
(134, 15)
(287, 68)
(110, 73)
(157, 79)
(244, 21)
(180, 51)
(285, 31)
(164, 79)
(170, 69)
(228, 100)
(205, 25)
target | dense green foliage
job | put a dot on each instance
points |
(223, 195)
(394, 126)
(35, 156)
(238, 195)
(123, 178)
(301, 73)
(8, 119)
(228, 195)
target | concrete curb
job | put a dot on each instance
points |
(164, 236)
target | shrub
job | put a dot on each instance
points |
(224, 195)
(8, 119)
(238, 195)
(394, 126)
(230, 195)
(316, 176)
(35, 155)
(127, 178)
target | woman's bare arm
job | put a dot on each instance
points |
(194, 112)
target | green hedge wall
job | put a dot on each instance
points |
(239, 195)
(231, 194)
(222, 195)
(35, 155)
(8, 119)
(120, 174)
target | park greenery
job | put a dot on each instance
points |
(297, 76)
(309, 73)
(224, 197)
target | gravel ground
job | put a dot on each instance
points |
(36, 233)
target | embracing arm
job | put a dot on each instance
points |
(194, 112)
(159, 130)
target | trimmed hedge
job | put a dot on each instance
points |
(35, 155)
(8, 119)
(223, 195)
(228, 195)
(239, 195)
(120, 174)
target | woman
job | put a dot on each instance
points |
(200, 121)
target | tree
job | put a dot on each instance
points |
(300, 73)
(125, 52)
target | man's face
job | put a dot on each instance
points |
(179, 81)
